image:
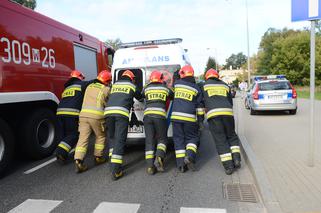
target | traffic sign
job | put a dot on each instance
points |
(304, 10)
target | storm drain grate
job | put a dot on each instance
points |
(240, 192)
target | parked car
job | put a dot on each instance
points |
(271, 93)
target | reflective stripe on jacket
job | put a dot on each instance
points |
(94, 101)
(156, 95)
(217, 98)
(188, 101)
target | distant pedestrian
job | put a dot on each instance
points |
(219, 107)
(187, 118)
(156, 93)
(91, 119)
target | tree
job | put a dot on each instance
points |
(114, 43)
(27, 3)
(211, 63)
(235, 61)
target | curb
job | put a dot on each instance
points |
(270, 202)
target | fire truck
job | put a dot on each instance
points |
(36, 56)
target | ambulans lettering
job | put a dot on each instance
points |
(150, 59)
(116, 89)
(156, 96)
(184, 94)
(21, 52)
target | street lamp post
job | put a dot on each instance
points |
(248, 45)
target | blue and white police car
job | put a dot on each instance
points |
(271, 93)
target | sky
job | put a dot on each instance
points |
(214, 28)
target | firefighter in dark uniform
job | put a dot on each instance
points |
(156, 94)
(187, 118)
(219, 107)
(117, 114)
(68, 113)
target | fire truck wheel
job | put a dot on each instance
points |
(6, 146)
(40, 133)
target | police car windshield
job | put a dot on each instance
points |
(274, 85)
(167, 70)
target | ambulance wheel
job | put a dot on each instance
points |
(293, 112)
(40, 133)
(6, 146)
(253, 112)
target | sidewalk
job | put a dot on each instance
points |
(280, 145)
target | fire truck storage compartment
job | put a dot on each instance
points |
(86, 61)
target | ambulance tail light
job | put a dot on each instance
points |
(256, 93)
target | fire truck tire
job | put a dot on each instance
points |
(40, 134)
(6, 146)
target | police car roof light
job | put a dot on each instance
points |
(151, 42)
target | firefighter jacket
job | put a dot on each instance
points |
(95, 99)
(217, 98)
(72, 97)
(156, 95)
(121, 98)
(188, 101)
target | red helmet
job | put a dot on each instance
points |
(104, 76)
(156, 76)
(211, 73)
(129, 74)
(186, 71)
(77, 74)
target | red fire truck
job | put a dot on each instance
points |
(36, 57)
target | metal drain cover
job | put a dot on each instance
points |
(240, 192)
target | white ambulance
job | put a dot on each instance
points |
(142, 58)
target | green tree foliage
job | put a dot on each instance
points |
(211, 63)
(236, 61)
(114, 43)
(288, 52)
(27, 3)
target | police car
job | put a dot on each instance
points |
(271, 93)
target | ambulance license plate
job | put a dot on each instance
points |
(136, 129)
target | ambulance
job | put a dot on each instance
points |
(166, 55)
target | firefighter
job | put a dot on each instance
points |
(68, 114)
(187, 118)
(91, 118)
(117, 114)
(219, 107)
(156, 94)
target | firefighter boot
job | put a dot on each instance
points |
(159, 164)
(228, 167)
(61, 156)
(115, 175)
(151, 170)
(80, 166)
(182, 169)
(236, 160)
(100, 160)
(190, 163)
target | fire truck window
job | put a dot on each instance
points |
(86, 61)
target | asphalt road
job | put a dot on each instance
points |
(163, 192)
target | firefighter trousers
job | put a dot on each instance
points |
(156, 138)
(86, 127)
(186, 140)
(227, 142)
(117, 135)
(69, 134)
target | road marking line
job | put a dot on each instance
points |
(36, 206)
(313, 8)
(40, 166)
(201, 210)
(108, 207)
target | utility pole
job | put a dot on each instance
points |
(248, 45)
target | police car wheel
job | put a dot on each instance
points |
(40, 134)
(6, 146)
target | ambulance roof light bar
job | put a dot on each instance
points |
(151, 42)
